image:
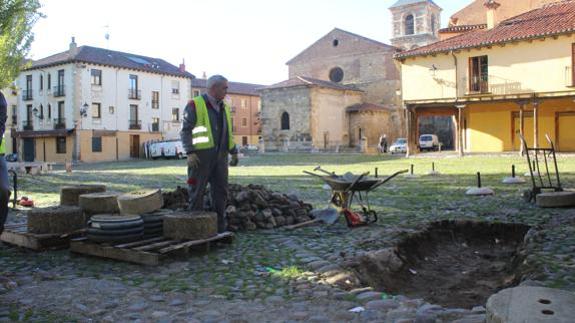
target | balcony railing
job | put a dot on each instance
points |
(134, 94)
(155, 127)
(27, 95)
(58, 91)
(27, 125)
(479, 87)
(135, 124)
(60, 123)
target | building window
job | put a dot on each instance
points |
(60, 145)
(244, 122)
(478, 74)
(96, 144)
(336, 74)
(433, 24)
(111, 109)
(49, 111)
(335, 43)
(155, 100)
(27, 95)
(49, 82)
(41, 112)
(243, 103)
(133, 92)
(244, 141)
(409, 25)
(175, 87)
(134, 114)
(96, 77)
(41, 82)
(175, 114)
(196, 93)
(96, 110)
(155, 124)
(14, 115)
(285, 121)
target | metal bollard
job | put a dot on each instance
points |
(411, 169)
(376, 175)
(513, 171)
(479, 179)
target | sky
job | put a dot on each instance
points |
(246, 41)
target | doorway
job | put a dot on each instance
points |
(29, 149)
(135, 146)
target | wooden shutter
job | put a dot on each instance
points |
(573, 65)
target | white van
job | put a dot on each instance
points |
(166, 149)
(428, 142)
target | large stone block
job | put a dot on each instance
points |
(56, 220)
(191, 226)
(526, 304)
(70, 195)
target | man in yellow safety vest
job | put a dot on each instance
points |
(207, 139)
(4, 185)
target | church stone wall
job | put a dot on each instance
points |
(296, 102)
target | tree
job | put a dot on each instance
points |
(17, 17)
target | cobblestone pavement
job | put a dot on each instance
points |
(283, 276)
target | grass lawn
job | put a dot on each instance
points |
(399, 199)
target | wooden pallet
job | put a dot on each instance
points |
(18, 235)
(152, 251)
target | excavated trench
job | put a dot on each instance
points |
(450, 263)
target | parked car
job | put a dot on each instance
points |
(166, 149)
(398, 146)
(428, 142)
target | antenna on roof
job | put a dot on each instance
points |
(107, 36)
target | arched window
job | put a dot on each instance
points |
(409, 25)
(285, 121)
(433, 24)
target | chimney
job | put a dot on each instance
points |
(73, 48)
(491, 6)
(183, 66)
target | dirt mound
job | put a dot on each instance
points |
(451, 263)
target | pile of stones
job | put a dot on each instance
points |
(252, 207)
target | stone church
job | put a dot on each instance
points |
(344, 91)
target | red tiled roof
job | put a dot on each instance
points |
(308, 81)
(368, 107)
(553, 19)
(461, 28)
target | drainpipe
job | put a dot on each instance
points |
(456, 76)
(459, 107)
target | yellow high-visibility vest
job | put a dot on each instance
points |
(202, 132)
(3, 145)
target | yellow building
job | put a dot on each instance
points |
(517, 77)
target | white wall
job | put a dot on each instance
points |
(112, 93)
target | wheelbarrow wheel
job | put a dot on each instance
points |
(370, 216)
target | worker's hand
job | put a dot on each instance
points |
(234, 161)
(193, 161)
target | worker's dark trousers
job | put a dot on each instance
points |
(213, 169)
(4, 192)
